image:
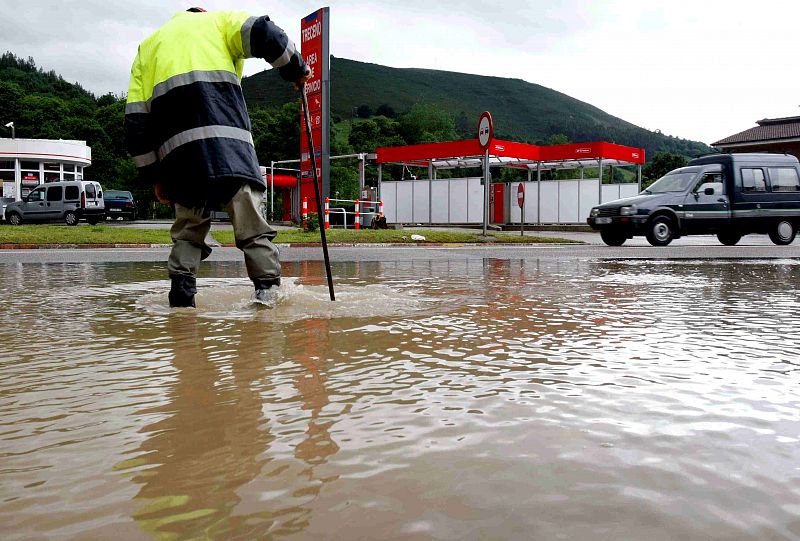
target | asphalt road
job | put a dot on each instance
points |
(698, 247)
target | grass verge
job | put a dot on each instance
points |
(82, 234)
(393, 236)
(103, 234)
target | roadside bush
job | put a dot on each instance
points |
(312, 223)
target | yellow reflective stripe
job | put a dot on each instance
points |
(214, 76)
(137, 107)
(285, 57)
(143, 160)
(183, 79)
(247, 27)
(204, 132)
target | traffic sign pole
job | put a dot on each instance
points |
(485, 136)
(486, 176)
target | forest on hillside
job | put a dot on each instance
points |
(43, 105)
(522, 111)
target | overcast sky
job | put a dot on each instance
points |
(700, 69)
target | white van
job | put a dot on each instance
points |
(69, 201)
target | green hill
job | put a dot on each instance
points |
(43, 105)
(522, 111)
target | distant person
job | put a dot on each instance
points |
(188, 131)
(378, 222)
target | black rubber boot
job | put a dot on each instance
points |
(182, 291)
(266, 283)
(265, 295)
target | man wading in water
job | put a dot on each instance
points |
(188, 131)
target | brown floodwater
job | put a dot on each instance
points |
(470, 399)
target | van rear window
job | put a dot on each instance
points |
(784, 179)
(71, 193)
(753, 180)
(90, 191)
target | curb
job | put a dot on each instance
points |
(296, 245)
(428, 244)
(76, 246)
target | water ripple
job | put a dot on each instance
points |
(582, 399)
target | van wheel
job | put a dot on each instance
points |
(14, 219)
(613, 238)
(782, 233)
(70, 218)
(660, 232)
(728, 238)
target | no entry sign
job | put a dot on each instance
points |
(485, 130)
(521, 195)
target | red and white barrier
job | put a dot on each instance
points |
(357, 214)
(305, 214)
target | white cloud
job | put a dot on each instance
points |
(698, 70)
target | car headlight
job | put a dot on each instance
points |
(595, 213)
(629, 210)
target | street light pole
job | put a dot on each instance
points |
(11, 125)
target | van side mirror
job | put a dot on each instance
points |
(709, 191)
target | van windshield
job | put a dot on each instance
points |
(675, 181)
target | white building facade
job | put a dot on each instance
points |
(27, 163)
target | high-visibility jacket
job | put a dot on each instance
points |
(186, 121)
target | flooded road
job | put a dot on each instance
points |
(464, 399)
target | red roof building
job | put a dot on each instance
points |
(781, 135)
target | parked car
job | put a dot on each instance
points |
(728, 195)
(120, 204)
(69, 201)
(3, 202)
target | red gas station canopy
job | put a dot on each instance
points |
(468, 153)
(281, 182)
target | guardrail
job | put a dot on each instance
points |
(344, 212)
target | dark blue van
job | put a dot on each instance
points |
(729, 195)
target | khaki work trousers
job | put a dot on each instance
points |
(252, 233)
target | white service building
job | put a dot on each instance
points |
(26, 163)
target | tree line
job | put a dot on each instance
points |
(43, 105)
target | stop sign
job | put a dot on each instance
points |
(521, 195)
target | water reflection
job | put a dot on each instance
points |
(464, 399)
(318, 445)
(212, 437)
(206, 467)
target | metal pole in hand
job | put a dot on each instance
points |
(320, 218)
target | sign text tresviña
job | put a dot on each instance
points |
(315, 48)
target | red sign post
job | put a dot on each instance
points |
(314, 46)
